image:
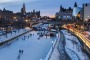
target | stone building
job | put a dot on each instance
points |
(64, 14)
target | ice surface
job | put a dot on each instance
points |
(33, 48)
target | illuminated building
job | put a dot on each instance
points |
(64, 14)
(86, 12)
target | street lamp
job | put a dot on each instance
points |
(52, 46)
(26, 20)
(52, 42)
(88, 18)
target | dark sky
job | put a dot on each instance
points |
(47, 7)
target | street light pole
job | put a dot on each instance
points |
(52, 46)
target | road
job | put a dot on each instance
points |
(85, 40)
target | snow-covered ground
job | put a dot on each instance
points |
(13, 34)
(34, 48)
(56, 54)
(73, 47)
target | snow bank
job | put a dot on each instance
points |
(13, 34)
(73, 47)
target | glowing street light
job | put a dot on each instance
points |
(26, 20)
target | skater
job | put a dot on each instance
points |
(22, 51)
(38, 38)
(19, 51)
(46, 35)
(18, 57)
(28, 36)
(22, 38)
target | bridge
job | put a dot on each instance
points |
(60, 22)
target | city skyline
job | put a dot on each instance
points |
(44, 29)
(47, 7)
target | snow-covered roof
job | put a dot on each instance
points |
(76, 10)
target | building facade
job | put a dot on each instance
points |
(86, 12)
(86, 16)
(6, 14)
(22, 15)
(83, 14)
(34, 14)
(64, 14)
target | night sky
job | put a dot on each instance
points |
(47, 7)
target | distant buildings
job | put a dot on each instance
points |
(6, 14)
(86, 16)
(19, 19)
(29, 15)
(83, 14)
(77, 12)
(34, 14)
(86, 12)
(9, 15)
(64, 14)
(23, 9)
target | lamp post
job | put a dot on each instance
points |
(88, 17)
(52, 46)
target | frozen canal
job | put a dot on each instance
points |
(34, 48)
